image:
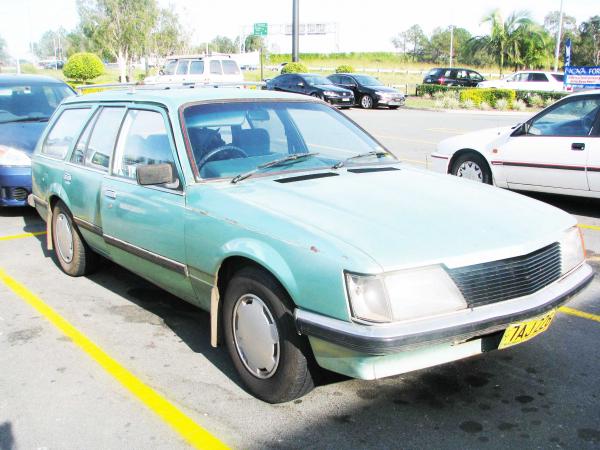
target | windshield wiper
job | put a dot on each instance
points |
(377, 153)
(28, 119)
(290, 159)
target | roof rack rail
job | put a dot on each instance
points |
(165, 86)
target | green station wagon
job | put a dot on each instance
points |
(309, 243)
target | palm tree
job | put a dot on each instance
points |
(505, 38)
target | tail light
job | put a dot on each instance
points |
(441, 80)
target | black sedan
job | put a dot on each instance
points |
(448, 76)
(315, 85)
(369, 91)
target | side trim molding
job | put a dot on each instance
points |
(155, 258)
(88, 226)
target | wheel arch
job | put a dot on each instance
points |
(464, 151)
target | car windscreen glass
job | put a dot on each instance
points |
(169, 68)
(366, 80)
(317, 80)
(232, 138)
(22, 102)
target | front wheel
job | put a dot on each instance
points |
(394, 107)
(366, 102)
(472, 166)
(258, 323)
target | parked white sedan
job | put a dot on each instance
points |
(528, 81)
(556, 151)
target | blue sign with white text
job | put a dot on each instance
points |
(582, 77)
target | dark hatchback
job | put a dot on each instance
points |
(26, 104)
(313, 85)
(452, 76)
(369, 91)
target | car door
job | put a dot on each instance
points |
(85, 171)
(462, 79)
(196, 71)
(551, 149)
(144, 225)
(181, 73)
(537, 81)
(474, 78)
(215, 71)
(593, 152)
(349, 83)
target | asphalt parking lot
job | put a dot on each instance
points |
(58, 390)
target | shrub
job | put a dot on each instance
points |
(83, 67)
(536, 101)
(344, 68)
(526, 96)
(294, 67)
(490, 96)
(485, 106)
(502, 104)
(468, 104)
(519, 105)
(424, 89)
(549, 101)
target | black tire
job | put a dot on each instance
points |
(367, 102)
(316, 95)
(394, 107)
(473, 160)
(83, 261)
(292, 376)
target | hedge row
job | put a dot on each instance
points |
(489, 96)
(425, 89)
(527, 96)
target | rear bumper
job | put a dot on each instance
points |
(15, 185)
(448, 329)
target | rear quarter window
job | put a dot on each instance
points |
(230, 67)
(64, 131)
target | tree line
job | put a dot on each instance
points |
(516, 42)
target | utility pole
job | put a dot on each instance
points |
(295, 30)
(451, 43)
(557, 51)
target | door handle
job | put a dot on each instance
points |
(577, 146)
(67, 177)
(109, 193)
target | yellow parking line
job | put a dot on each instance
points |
(397, 138)
(21, 236)
(582, 314)
(197, 436)
(589, 227)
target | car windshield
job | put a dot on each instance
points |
(36, 101)
(234, 138)
(366, 80)
(314, 80)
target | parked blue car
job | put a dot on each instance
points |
(26, 104)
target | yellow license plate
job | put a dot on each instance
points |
(523, 331)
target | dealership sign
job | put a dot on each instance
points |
(582, 77)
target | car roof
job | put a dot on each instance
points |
(453, 68)
(27, 78)
(174, 98)
(585, 92)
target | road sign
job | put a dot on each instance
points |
(261, 29)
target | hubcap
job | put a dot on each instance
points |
(471, 171)
(64, 238)
(366, 101)
(255, 335)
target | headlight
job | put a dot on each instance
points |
(12, 157)
(572, 249)
(403, 295)
(330, 94)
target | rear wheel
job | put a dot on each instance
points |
(366, 102)
(472, 166)
(76, 258)
(258, 323)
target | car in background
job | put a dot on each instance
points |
(58, 64)
(528, 80)
(205, 69)
(368, 91)
(26, 104)
(453, 76)
(556, 151)
(278, 215)
(313, 85)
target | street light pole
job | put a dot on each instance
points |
(451, 43)
(295, 30)
(557, 51)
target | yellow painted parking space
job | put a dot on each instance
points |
(21, 236)
(589, 227)
(577, 313)
(397, 138)
(193, 433)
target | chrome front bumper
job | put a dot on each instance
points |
(459, 326)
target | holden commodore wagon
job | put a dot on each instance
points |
(307, 242)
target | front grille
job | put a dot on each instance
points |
(18, 193)
(495, 281)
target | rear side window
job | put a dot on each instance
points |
(143, 140)
(197, 68)
(95, 150)
(230, 67)
(64, 132)
(558, 77)
(215, 67)
(537, 77)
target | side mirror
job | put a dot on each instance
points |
(149, 174)
(161, 72)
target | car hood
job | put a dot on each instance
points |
(479, 140)
(407, 217)
(21, 135)
(332, 87)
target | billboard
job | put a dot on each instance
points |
(582, 77)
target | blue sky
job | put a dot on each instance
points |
(361, 28)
